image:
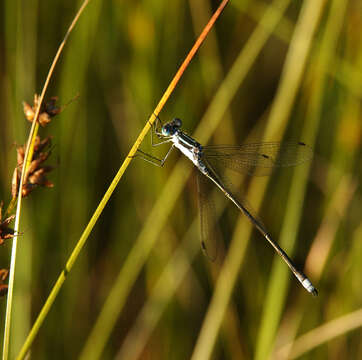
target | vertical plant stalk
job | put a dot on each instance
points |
(149, 234)
(77, 249)
(27, 160)
(290, 82)
(314, 264)
(29, 150)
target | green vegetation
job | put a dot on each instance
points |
(141, 287)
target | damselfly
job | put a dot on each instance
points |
(253, 159)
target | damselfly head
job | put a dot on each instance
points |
(171, 127)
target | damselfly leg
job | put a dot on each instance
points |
(155, 131)
(153, 159)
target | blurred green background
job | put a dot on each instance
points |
(141, 288)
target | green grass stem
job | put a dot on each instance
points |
(27, 159)
(77, 249)
(159, 215)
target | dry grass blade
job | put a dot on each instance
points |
(74, 255)
(321, 335)
(27, 160)
(321, 246)
(166, 201)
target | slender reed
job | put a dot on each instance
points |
(27, 159)
(321, 335)
(77, 249)
(291, 79)
(274, 304)
(166, 201)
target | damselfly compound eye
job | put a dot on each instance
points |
(165, 131)
(168, 130)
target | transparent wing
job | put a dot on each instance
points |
(215, 168)
(259, 158)
(208, 227)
